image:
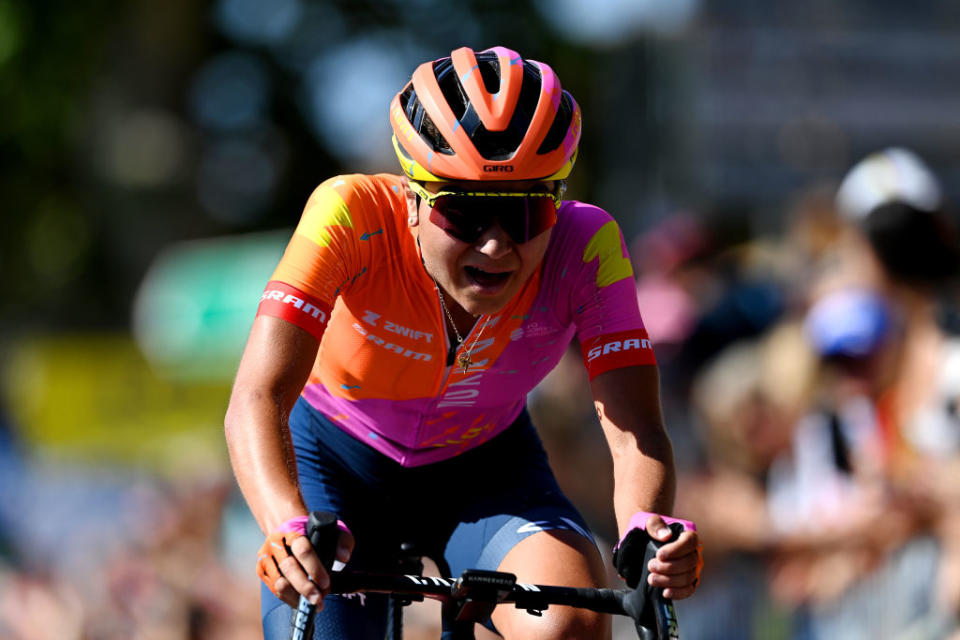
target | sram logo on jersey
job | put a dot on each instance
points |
(617, 350)
(297, 303)
(289, 303)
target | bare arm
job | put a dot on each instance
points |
(628, 405)
(275, 366)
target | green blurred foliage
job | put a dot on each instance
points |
(76, 244)
(50, 54)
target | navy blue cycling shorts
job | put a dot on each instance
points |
(466, 512)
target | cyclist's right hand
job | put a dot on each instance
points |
(289, 567)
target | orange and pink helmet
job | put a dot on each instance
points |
(485, 116)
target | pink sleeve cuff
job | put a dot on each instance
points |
(294, 525)
(639, 521)
(299, 525)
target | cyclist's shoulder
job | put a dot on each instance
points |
(584, 237)
(353, 201)
(358, 189)
(578, 224)
(582, 217)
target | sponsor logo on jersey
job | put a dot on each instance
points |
(615, 346)
(295, 302)
(532, 330)
(283, 301)
(459, 394)
(390, 346)
(372, 319)
(617, 350)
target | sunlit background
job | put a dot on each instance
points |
(155, 156)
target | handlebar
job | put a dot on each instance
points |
(473, 596)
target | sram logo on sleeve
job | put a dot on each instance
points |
(283, 301)
(616, 350)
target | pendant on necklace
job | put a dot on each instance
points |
(464, 361)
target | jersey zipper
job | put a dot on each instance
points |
(448, 367)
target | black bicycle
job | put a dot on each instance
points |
(473, 596)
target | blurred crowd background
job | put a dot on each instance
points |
(787, 178)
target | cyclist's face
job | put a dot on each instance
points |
(481, 276)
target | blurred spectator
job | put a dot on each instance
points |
(702, 284)
(671, 281)
(914, 239)
(747, 400)
(738, 289)
(133, 557)
(844, 468)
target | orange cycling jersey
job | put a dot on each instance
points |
(353, 277)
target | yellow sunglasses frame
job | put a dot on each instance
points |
(430, 198)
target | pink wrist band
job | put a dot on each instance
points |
(639, 521)
(298, 524)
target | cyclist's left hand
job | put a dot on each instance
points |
(677, 566)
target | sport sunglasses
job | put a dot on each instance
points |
(466, 215)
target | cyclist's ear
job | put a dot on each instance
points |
(413, 204)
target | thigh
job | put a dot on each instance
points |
(529, 528)
(484, 541)
(540, 544)
(556, 557)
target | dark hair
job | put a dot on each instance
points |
(914, 246)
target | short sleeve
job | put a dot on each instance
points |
(321, 258)
(604, 297)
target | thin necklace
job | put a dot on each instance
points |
(463, 359)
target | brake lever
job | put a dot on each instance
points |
(652, 612)
(323, 533)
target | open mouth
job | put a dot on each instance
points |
(487, 278)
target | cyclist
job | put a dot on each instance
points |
(386, 372)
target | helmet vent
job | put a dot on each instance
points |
(422, 122)
(492, 145)
(490, 115)
(489, 65)
(501, 145)
(561, 124)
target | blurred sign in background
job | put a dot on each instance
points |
(155, 156)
